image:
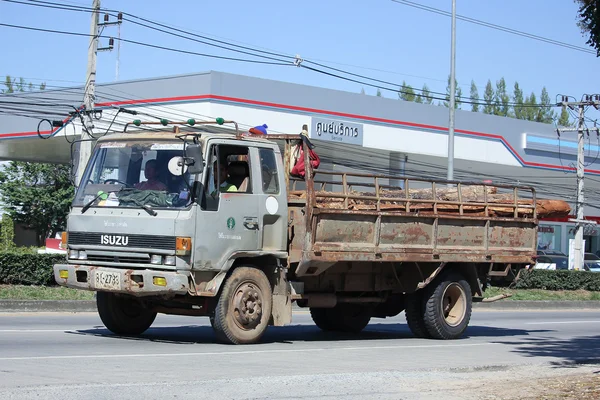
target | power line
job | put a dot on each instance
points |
(496, 27)
(229, 42)
(143, 44)
(261, 54)
(85, 9)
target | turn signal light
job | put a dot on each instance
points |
(183, 246)
(63, 237)
(63, 273)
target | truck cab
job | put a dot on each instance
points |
(159, 219)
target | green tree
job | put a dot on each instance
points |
(406, 92)
(37, 195)
(7, 233)
(378, 94)
(530, 107)
(589, 22)
(419, 99)
(11, 85)
(545, 113)
(474, 97)
(362, 90)
(501, 99)
(426, 94)
(564, 118)
(457, 94)
(488, 98)
(519, 110)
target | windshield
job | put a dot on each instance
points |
(135, 173)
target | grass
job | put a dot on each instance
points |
(21, 292)
(539, 294)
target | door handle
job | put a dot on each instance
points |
(251, 223)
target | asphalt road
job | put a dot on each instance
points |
(71, 356)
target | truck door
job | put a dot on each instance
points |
(229, 221)
(272, 203)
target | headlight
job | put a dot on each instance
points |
(73, 253)
(169, 260)
(156, 259)
(82, 255)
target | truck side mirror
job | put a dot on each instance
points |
(194, 151)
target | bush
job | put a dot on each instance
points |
(28, 268)
(559, 280)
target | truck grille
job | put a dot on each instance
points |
(118, 259)
(139, 241)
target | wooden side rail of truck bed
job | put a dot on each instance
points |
(341, 216)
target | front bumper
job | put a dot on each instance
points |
(130, 281)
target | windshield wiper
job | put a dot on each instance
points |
(146, 207)
(100, 194)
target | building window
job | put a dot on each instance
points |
(549, 237)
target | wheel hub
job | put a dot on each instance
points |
(454, 304)
(247, 306)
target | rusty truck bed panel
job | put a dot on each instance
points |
(357, 217)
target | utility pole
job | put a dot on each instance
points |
(89, 95)
(452, 95)
(580, 218)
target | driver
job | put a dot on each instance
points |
(151, 174)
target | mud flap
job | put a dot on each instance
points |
(281, 313)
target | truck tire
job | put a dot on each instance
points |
(414, 315)
(347, 318)
(322, 318)
(447, 306)
(244, 307)
(123, 315)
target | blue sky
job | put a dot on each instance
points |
(386, 40)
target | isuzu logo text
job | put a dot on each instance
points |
(114, 240)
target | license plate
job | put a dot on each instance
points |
(108, 280)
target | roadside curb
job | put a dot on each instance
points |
(90, 305)
(47, 305)
(538, 305)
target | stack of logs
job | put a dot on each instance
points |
(472, 198)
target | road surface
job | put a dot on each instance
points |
(71, 356)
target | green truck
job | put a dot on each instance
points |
(205, 221)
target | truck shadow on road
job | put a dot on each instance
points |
(198, 334)
(570, 352)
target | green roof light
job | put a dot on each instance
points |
(220, 121)
(191, 122)
(164, 121)
(137, 122)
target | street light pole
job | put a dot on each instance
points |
(452, 95)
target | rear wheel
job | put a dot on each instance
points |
(414, 315)
(244, 308)
(447, 307)
(123, 314)
(349, 318)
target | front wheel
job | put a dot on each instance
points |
(447, 307)
(123, 314)
(244, 308)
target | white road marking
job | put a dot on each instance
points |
(37, 330)
(563, 322)
(242, 352)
